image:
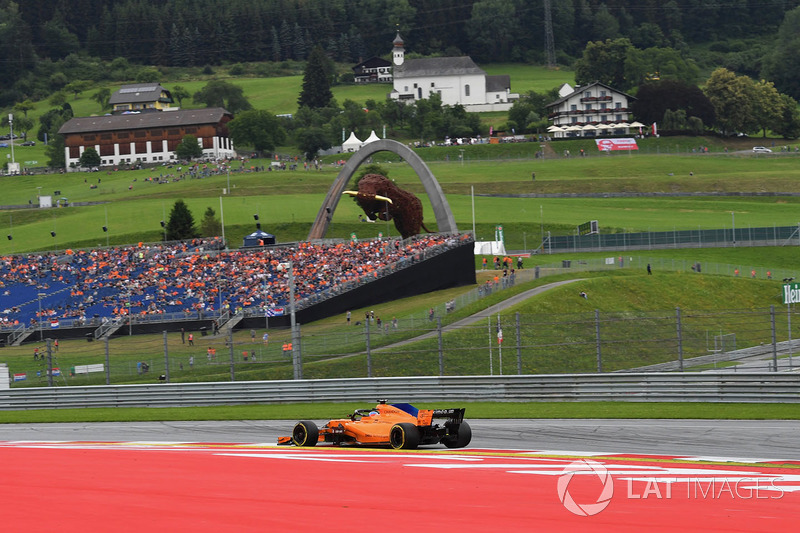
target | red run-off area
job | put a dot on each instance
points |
(173, 487)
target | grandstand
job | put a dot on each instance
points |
(167, 284)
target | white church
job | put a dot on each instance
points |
(457, 79)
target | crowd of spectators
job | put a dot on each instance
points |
(194, 278)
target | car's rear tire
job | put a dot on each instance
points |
(305, 433)
(404, 436)
(461, 439)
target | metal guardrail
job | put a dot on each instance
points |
(755, 387)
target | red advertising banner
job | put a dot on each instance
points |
(606, 145)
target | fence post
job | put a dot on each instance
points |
(499, 345)
(49, 363)
(491, 340)
(680, 338)
(789, 323)
(774, 340)
(297, 351)
(369, 350)
(230, 353)
(597, 340)
(441, 350)
(166, 358)
(108, 363)
(519, 347)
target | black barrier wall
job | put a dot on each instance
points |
(452, 268)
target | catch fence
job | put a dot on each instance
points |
(484, 344)
(651, 240)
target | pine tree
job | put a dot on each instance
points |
(316, 90)
(181, 223)
(344, 49)
(160, 44)
(285, 34)
(210, 226)
(276, 46)
(299, 43)
(175, 46)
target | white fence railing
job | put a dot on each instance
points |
(766, 387)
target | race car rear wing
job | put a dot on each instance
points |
(426, 416)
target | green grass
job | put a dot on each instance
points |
(545, 319)
(291, 199)
(288, 202)
(475, 410)
(525, 78)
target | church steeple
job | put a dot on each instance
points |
(398, 52)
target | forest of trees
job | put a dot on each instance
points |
(208, 32)
(53, 47)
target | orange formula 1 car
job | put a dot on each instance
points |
(400, 425)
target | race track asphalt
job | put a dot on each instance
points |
(751, 439)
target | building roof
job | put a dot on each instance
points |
(579, 89)
(373, 62)
(137, 93)
(133, 121)
(498, 83)
(437, 66)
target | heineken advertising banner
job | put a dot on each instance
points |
(791, 293)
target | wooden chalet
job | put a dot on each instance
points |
(147, 137)
(140, 97)
(373, 70)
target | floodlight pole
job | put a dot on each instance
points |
(472, 196)
(39, 296)
(11, 136)
(296, 361)
(222, 221)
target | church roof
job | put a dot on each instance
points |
(498, 83)
(437, 66)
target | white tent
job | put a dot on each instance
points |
(372, 138)
(352, 144)
(490, 248)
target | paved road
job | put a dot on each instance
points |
(759, 439)
(480, 316)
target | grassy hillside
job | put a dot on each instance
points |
(558, 333)
(132, 207)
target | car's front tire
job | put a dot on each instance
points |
(461, 439)
(305, 433)
(404, 436)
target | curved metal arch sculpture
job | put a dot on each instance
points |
(441, 209)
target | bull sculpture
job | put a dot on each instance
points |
(381, 199)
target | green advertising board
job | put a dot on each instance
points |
(791, 293)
